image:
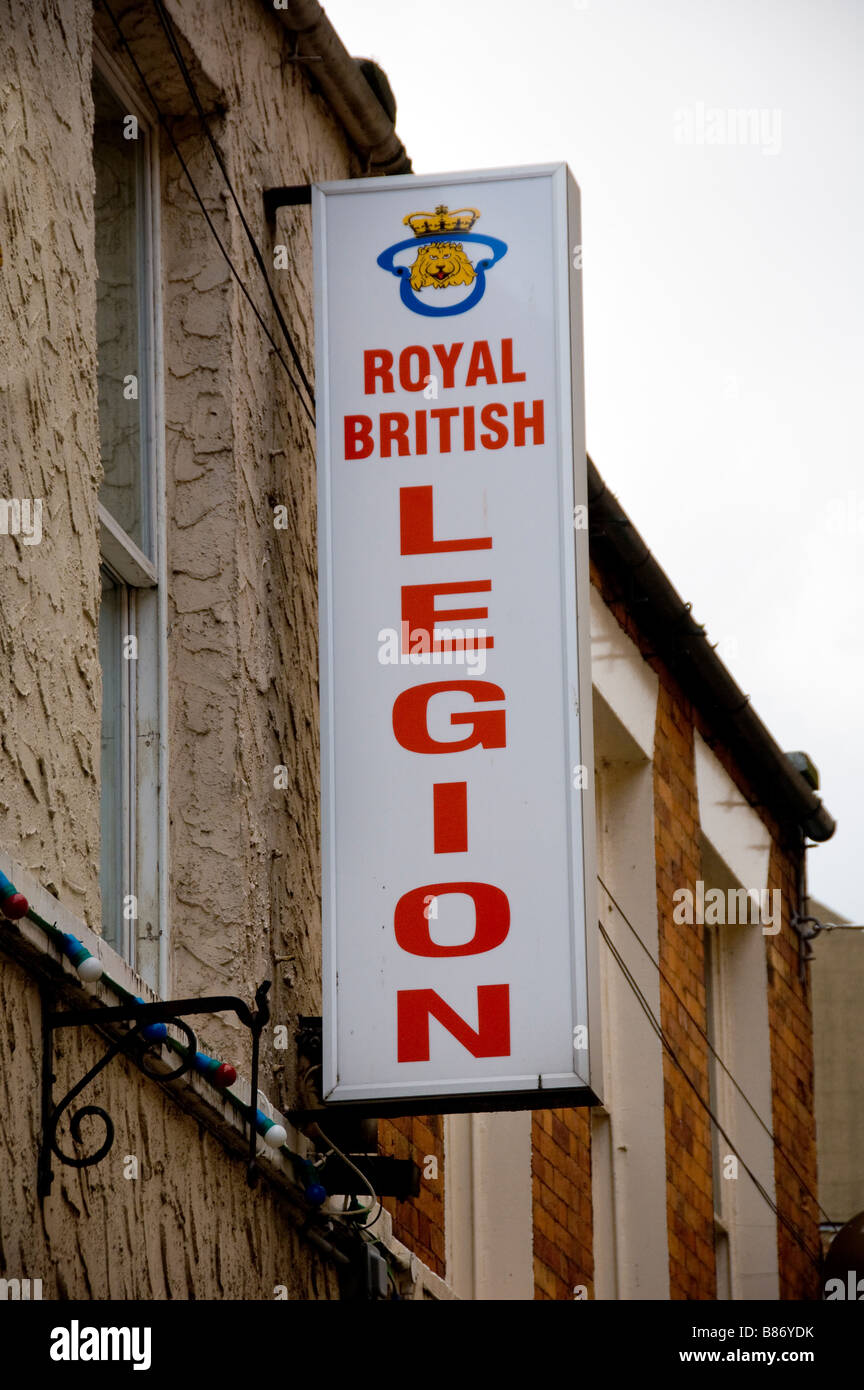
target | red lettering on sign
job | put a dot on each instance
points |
(378, 365)
(448, 361)
(507, 372)
(498, 436)
(417, 530)
(450, 817)
(420, 431)
(481, 365)
(411, 712)
(468, 429)
(533, 422)
(358, 436)
(444, 415)
(418, 380)
(414, 1007)
(394, 430)
(492, 425)
(418, 611)
(491, 925)
(415, 366)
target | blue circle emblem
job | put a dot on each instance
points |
(412, 301)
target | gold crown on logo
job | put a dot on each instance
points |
(441, 220)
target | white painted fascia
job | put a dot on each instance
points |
(622, 676)
(734, 829)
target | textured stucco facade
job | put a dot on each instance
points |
(241, 646)
(50, 705)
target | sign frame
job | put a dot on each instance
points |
(582, 1087)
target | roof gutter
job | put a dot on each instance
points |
(618, 549)
(343, 84)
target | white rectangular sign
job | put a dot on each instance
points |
(457, 768)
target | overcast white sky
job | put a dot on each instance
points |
(723, 304)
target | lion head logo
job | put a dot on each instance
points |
(440, 264)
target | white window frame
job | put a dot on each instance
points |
(628, 1134)
(145, 697)
(719, 1099)
(735, 836)
(489, 1205)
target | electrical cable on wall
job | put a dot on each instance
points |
(170, 34)
(824, 926)
(658, 1029)
(697, 1025)
(315, 1130)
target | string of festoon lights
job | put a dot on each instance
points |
(221, 1075)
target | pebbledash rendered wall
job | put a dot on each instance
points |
(242, 646)
(244, 888)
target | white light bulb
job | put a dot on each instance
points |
(90, 969)
(276, 1136)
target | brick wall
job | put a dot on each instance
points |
(561, 1185)
(419, 1223)
(689, 1179)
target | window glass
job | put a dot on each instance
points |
(131, 622)
(120, 164)
(114, 802)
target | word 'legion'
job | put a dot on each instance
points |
(443, 429)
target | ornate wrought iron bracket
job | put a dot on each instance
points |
(134, 1045)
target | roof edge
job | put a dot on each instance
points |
(681, 643)
(344, 85)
